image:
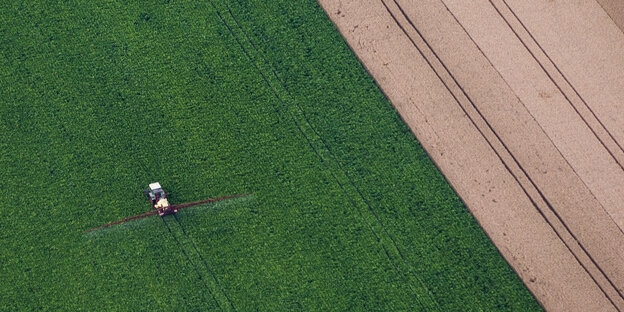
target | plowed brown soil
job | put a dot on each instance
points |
(521, 105)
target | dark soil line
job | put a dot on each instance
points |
(498, 138)
(563, 76)
(543, 197)
(600, 139)
(569, 101)
(532, 117)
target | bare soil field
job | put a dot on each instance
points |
(520, 104)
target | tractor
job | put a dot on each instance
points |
(158, 197)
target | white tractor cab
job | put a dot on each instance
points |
(158, 197)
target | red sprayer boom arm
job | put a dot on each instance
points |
(155, 212)
(206, 201)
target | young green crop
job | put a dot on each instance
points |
(210, 99)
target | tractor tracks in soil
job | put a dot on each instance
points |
(195, 258)
(522, 176)
(517, 104)
(198, 262)
(292, 109)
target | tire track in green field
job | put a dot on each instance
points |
(194, 257)
(205, 263)
(320, 147)
(197, 261)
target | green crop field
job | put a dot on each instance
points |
(213, 98)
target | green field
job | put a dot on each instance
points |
(212, 98)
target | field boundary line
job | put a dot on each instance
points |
(496, 140)
(319, 146)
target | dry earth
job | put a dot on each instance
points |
(521, 105)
